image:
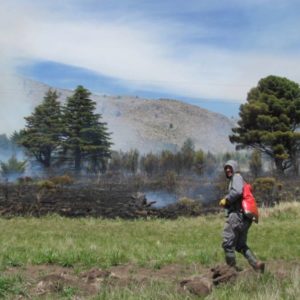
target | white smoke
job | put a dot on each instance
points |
(13, 100)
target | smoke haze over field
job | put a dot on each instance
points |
(14, 104)
(135, 123)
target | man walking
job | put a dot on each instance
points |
(237, 224)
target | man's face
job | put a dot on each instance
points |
(228, 171)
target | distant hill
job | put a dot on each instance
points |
(148, 125)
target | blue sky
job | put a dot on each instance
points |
(208, 53)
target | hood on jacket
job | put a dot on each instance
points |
(233, 164)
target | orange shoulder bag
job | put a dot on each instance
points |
(249, 205)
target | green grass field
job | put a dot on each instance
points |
(86, 243)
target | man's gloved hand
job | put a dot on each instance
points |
(223, 202)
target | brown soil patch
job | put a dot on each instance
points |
(46, 280)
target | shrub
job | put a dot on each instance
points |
(189, 205)
(12, 168)
(25, 180)
(170, 180)
(62, 180)
(266, 191)
(45, 184)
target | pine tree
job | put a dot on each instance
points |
(85, 137)
(188, 152)
(269, 121)
(255, 163)
(42, 134)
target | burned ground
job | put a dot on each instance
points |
(88, 201)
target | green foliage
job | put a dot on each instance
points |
(255, 163)
(178, 163)
(12, 167)
(42, 134)
(187, 154)
(266, 191)
(100, 243)
(187, 159)
(124, 161)
(45, 184)
(189, 205)
(11, 285)
(199, 161)
(155, 290)
(85, 136)
(73, 132)
(131, 161)
(150, 163)
(62, 180)
(210, 164)
(116, 161)
(170, 180)
(68, 292)
(269, 119)
(55, 181)
(167, 161)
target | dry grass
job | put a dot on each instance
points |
(283, 208)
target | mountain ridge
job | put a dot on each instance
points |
(146, 124)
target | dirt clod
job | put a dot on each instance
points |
(223, 274)
(198, 285)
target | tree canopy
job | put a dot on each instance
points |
(42, 133)
(85, 137)
(269, 121)
(73, 132)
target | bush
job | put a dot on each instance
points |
(25, 180)
(62, 180)
(266, 191)
(170, 180)
(45, 184)
(12, 168)
(190, 206)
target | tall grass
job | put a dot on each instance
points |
(11, 286)
(261, 287)
(86, 242)
(104, 243)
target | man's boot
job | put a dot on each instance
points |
(257, 265)
(230, 261)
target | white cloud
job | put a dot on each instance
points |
(141, 52)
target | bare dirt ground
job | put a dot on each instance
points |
(44, 281)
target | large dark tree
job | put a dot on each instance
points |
(42, 134)
(269, 121)
(85, 138)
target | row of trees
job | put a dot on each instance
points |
(187, 160)
(72, 133)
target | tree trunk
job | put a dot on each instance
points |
(295, 165)
(279, 166)
(77, 160)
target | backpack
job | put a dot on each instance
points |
(249, 205)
